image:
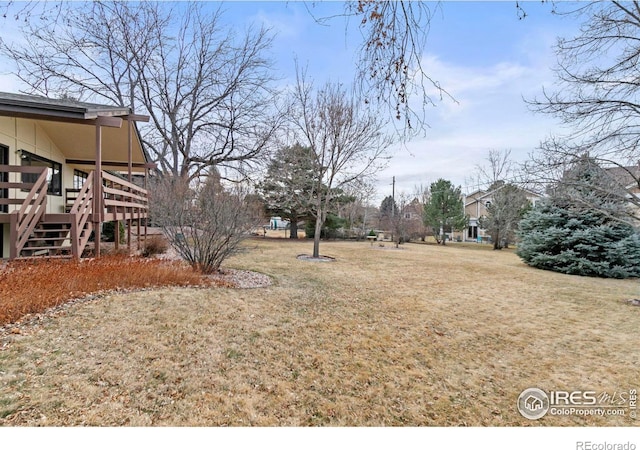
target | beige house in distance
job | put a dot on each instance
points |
(475, 207)
(66, 167)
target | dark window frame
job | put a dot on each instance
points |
(79, 175)
(54, 179)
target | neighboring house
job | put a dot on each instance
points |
(413, 211)
(412, 214)
(475, 207)
(66, 167)
(629, 178)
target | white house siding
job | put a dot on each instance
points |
(26, 134)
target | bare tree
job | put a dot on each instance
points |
(205, 87)
(390, 69)
(347, 141)
(356, 211)
(596, 98)
(499, 168)
(401, 220)
(388, 210)
(389, 65)
(508, 200)
(205, 224)
(508, 206)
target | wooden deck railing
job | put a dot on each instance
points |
(32, 207)
(120, 199)
(123, 199)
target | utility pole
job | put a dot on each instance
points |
(393, 197)
(393, 207)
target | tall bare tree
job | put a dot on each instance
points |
(389, 63)
(348, 141)
(597, 99)
(206, 87)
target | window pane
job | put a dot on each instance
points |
(54, 172)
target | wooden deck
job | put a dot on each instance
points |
(34, 232)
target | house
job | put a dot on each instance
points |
(629, 178)
(475, 207)
(412, 215)
(66, 167)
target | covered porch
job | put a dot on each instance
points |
(65, 169)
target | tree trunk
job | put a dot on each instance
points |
(316, 237)
(293, 228)
(496, 241)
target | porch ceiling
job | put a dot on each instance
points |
(78, 141)
(71, 125)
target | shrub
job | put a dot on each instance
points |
(34, 286)
(156, 245)
(109, 233)
(331, 229)
(205, 224)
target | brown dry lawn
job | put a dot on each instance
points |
(421, 336)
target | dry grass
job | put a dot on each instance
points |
(421, 336)
(33, 286)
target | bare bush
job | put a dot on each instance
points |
(205, 223)
(155, 245)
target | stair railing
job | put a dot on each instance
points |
(32, 209)
(80, 213)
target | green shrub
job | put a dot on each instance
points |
(331, 229)
(109, 233)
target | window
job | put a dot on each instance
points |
(54, 172)
(79, 178)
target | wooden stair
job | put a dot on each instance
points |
(51, 237)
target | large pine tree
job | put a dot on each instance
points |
(564, 235)
(288, 188)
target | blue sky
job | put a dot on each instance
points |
(479, 51)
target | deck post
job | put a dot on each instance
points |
(97, 192)
(146, 220)
(129, 167)
(13, 236)
(116, 236)
(75, 238)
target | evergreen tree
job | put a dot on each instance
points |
(445, 210)
(288, 188)
(388, 209)
(565, 235)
